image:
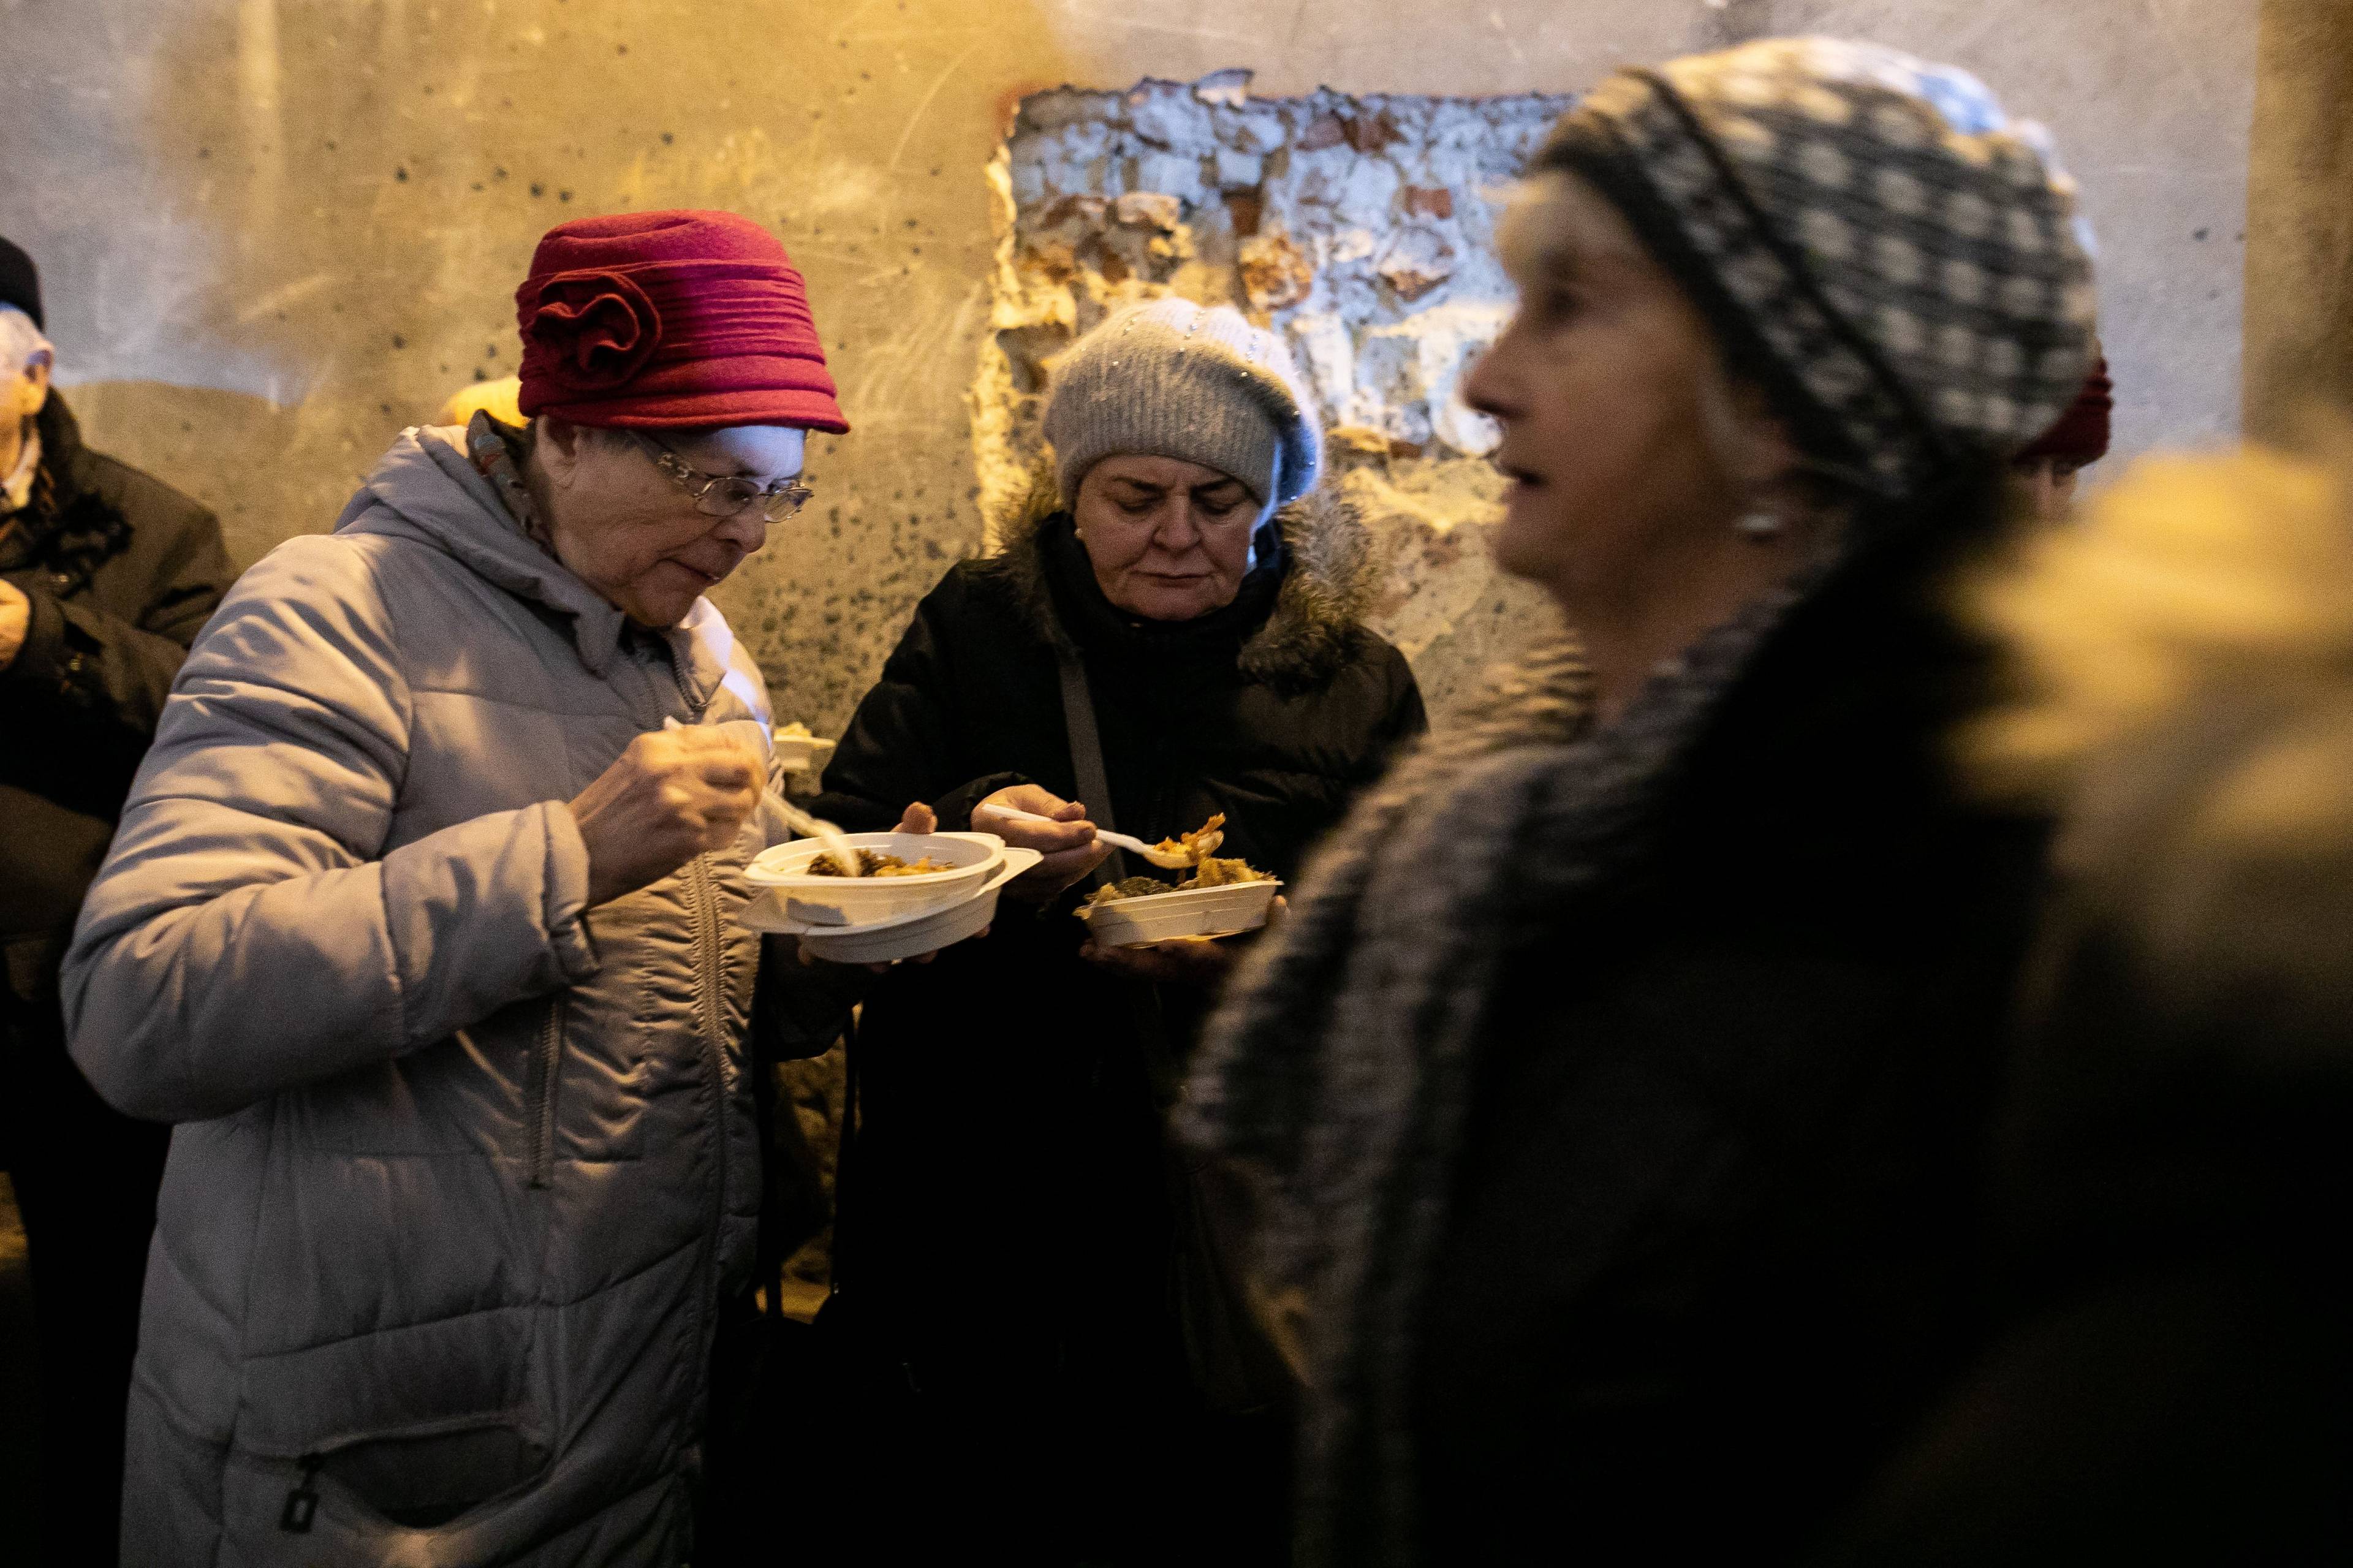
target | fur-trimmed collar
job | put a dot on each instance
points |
(1327, 592)
(68, 531)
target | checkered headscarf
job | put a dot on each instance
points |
(1896, 260)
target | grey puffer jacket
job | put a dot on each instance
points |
(461, 1171)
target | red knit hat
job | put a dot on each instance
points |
(2081, 435)
(671, 320)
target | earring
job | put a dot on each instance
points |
(1761, 524)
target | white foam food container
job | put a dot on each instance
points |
(803, 753)
(791, 891)
(908, 936)
(1229, 910)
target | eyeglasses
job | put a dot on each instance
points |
(725, 495)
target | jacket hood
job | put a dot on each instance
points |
(1327, 592)
(426, 488)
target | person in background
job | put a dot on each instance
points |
(105, 576)
(2051, 467)
(2170, 1379)
(1180, 613)
(501, 397)
(420, 923)
(1616, 1092)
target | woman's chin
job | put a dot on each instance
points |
(1528, 541)
(1167, 604)
(660, 608)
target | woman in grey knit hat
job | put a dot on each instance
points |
(1172, 630)
(1615, 1093)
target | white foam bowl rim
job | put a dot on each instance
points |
(780, 872)
(1227, 910)
(908, 936)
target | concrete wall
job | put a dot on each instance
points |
(275, 231)
(2299, 316)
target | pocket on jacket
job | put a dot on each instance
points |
(352, 1501)
(477, 1369)
(401, 1429)
(463, 1095)
(543, 1076)
(422, 1480)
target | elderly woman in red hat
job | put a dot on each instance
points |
(419, 925)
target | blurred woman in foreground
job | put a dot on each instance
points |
(2172, 1381)
(1616, 1090)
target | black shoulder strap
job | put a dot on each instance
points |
(1094, 788)
(1086, 758)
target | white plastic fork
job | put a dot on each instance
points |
(1167, 860)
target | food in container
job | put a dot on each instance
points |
(1221, 897)
(874, 863)
(1125, 888)
(790, 884)
(905, 936)
(1165, 916)
(1199, 844)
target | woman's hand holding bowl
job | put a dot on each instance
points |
(1185, 961)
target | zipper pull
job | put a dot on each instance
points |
(302, 1502)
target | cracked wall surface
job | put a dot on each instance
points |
(1361, 228)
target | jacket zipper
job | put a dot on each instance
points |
(708, 955)
(709, 952)
(302, 1502)
(546, 1058)
(677, 678)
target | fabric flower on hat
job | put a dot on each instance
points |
(590, 331)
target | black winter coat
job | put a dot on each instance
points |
(1005, 1213)
(122, 572)
(2169, 1378)
(1710, 1244)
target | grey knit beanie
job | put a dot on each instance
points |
(1894, 258)
(1173, 379)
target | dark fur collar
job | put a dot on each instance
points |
(66, 529)
(1326, 594)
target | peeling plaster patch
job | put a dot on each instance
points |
(1362, 229)
(1274, 276)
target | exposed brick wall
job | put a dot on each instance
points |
(1360, 228)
